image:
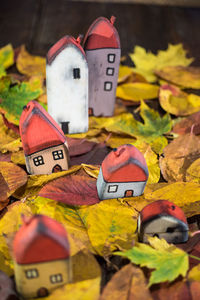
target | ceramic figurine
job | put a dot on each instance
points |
(165, 220)
(45, 146)
(102, 48)
(41, 256)
(123, 173)
(67, 85)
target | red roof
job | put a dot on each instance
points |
(102, 34)
(38, 129)
(125, 164)
(164, 208)
(62, 44)
(40, 239)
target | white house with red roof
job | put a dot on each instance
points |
(67, 85)
(44, 143)
(123, 173)
(102, 48)
(41, 253)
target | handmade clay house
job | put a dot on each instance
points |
(102, 48)
(163, 219)
(43, 141)
(41, 256)
(67, 85)
(123, 173)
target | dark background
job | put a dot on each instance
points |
(40, 23)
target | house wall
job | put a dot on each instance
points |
(49, 161)
(103, 187)
(68, 97)
(29, 287)
(102, 102)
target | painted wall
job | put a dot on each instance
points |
(30, 287)
(102, 188)
(68, 97)
(102, 101)
(49, 161)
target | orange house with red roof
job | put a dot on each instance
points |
(44, 143)
(41, 256)
(103, 51)
(123, 173)
(165, 220)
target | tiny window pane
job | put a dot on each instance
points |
(31, 273)
(76, 73)
(38, 161)
(56, 278)
(112, 188)
(111, 58)
(110, 71)
(107, 86)
(58, 154)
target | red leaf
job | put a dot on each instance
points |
(191, 123)
(72, 190)
(10, 125)
(79, 146)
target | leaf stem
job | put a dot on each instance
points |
(195, 257)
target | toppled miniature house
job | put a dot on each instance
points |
(67, 85)
(43, 141)
(102, 48)
(163, 219)
(123, 173)
(41, 256)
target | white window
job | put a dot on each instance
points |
(111, 58)
(112, 188)
(57, 154)
(110, 71)
(56, 278)
(107, 86)
(38, 161)
(31, 273)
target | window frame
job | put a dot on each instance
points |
(107, 71)
(38, 160)
(56, 276)
(76, 73)
(111, 186)
(111, 55)
(56, 155)
(111, 86)
(33, 273)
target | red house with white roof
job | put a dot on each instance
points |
(163, 219)
(102, 48)
(44, 143)
(67, 85)
(41, 254)
(123, 173)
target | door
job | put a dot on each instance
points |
(56, 168)
(42, 292)
(128, 193)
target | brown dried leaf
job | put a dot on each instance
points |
(189, 124)
(7, 288)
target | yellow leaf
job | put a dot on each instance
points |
(194, 273)
(12, 146)
(187, 77)
(177, 102)
(124, 73)
(193, 172)
(6, 58)
(158, 144)
(146, 62)
(30, 65)
(18, 158)
(7, 137)
(115, 140)
(91, 170)
(137, 91)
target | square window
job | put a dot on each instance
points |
(110, 71)
(111, 58)
(38, 161)
(31, 273)
(76, 73)
(112, 188)
(56, 278)
(58, 154)
(107, 86)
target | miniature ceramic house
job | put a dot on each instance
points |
(102, 48)
(41, 257)
(43, 141)
(123, 173)
(165, 220)
(67, 85)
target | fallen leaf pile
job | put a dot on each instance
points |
(155, 112)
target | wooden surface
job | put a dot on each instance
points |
(40, 23)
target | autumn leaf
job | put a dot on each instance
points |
(147, 63)
(6, 59)
(189, 124)
(194, 273)
(124, 73)
(193, 172)
(187, 77)
(137, 91)
(72, 190)
(177, 102)
(168, 261)
(29, 64)
(128, 283)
